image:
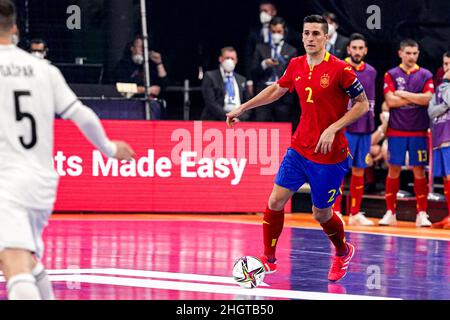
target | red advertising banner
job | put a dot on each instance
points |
(180, 166)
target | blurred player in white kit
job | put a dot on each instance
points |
(32, 91)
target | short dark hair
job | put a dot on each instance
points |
(278, 20)
(7, 15)
(263, 2)
(408, 43)
(225, 49)
(38, 41)
(315, 18)
(331, 16)
(357, 36)
(447, 54)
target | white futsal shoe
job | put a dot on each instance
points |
(359, 219)
(389, 219)
(422, 220)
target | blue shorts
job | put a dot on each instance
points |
(417, 148)
(324, 179)
(441, 162)
(359, 144)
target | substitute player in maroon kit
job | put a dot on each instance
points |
(408, 89)
(359, 133)
(319, 150)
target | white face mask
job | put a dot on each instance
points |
(331, 30)
(138, 58)
(38, 54)
(15, 39)
(228, 65)
(277, 38)
(264, 17)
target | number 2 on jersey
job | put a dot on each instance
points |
(333, 194)
(25, 115)
(309, 100)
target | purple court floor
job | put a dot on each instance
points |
(190, 260)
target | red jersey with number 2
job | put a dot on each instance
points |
(323, 101)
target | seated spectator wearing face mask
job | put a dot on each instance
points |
(130, 69)
(223, 89)
(38, 48)
(269, 63)
(337, 43)
(258, 34)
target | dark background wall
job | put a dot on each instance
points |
(189, 34)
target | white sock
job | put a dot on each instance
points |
(43, 282)
(23, 287)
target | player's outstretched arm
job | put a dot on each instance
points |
(67, 106)
(88, 123)
(124, 151)
(268, 95)
(360, 107)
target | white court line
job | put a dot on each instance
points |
(149, 274)
(81, 276)
(211, 288)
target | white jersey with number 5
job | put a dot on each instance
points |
(32, 91)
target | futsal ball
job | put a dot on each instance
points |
(248, 272)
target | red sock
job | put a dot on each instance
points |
(272, 226)
(356, 194)
(421, 191)
(447, 194)
(392, 187)
(337, 206)
(335, 231)
(370, 174)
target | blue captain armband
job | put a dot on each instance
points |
(355, 89)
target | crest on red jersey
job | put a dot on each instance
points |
(325, 81)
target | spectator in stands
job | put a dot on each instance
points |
(223, 89)
(261, 34)
(269, 63)
(439, 112)
(39, 48)
(337, 43)
(130, 69)
(408, 89)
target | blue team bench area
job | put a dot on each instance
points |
(374, 203)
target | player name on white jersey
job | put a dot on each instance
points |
(15, 70)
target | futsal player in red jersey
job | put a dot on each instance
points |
(319, 151)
